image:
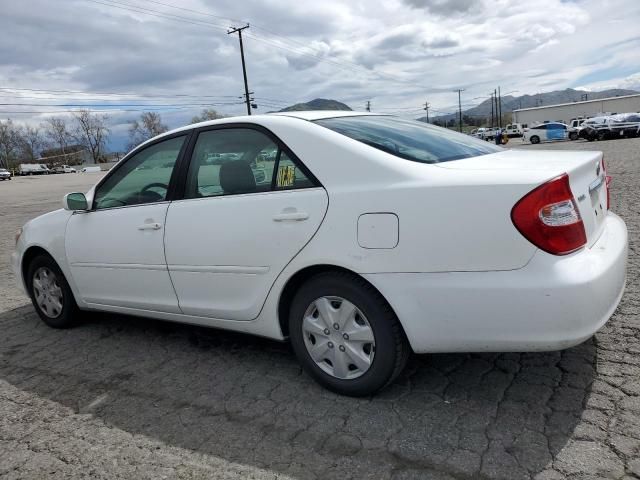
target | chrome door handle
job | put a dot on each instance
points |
(150, 226)
(291, 217)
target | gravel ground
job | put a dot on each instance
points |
(121, 397)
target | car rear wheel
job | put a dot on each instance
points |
(573, 136)
(535, 139)
(50, 293)
(345, 334)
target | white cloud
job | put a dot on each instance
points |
(398, 54)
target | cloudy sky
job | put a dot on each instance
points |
(175, 56)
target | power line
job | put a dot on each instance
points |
(179, 18)
(103, 105)
(122, 94)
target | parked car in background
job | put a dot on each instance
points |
(574, 127)
(91, 169)
(597, 128)
(33, 169)
(546, 132)
(5, 174)
(334, 249)
(514, 130)
(63, 169)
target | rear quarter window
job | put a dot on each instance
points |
(408, 139)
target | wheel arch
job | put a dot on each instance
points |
(29, 254)
(300, 277)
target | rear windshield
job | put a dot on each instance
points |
(409, 139)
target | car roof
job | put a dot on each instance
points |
(309, 115)
(320, 114)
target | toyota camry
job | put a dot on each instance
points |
(360, 238)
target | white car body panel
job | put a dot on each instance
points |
(545, 135)
(224, 264)
(117, 263)
(455, 270)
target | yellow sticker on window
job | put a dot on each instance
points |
(286, 175)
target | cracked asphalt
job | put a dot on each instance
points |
(123, 397)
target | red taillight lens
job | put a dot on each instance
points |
(549, 218)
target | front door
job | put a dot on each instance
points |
(249, 207)
(116, 250)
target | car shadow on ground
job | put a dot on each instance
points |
(246, 399)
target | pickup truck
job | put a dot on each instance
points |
(63, 169)
(486, 133)
(574, 128)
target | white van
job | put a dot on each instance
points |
(32, 169)
(515, 129)
(91, 169)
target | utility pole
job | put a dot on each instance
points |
(459, 90)
(491, 109)
(499, 109)
(244, 67)
(495, 99)
(426, 107)
(368, 105)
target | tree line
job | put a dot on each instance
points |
(84, 129)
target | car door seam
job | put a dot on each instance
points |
(164, 252)
(296, 255)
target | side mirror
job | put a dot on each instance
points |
(75, 202)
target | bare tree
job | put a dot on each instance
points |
(207, 114)
(31, 144)
(148, 126)
(57, 133)
(10, 142)
(92, 132)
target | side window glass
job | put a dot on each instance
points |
(231, 161)
(289, 175)
(144, 178)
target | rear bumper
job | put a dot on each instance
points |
(550, 304)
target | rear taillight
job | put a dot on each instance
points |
(549, 218)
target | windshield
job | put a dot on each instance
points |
(408, 139)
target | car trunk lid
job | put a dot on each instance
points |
(587, 177)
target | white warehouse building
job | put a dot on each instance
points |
(565, 112)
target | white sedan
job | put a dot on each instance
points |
(546, 132)
(359, 237)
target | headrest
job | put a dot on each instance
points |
(236, 177)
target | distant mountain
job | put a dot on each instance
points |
(510, 103)
(317, 104)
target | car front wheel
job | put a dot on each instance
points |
(50, 293)
(345, 334)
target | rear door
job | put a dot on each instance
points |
(249, 207)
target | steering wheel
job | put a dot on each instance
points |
(147, 193)
(154, 185)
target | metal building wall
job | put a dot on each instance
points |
(565, 112)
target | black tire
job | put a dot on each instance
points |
(602, 136)
(573, 136)
(535, 139)
(68, 317)
(391, 347)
